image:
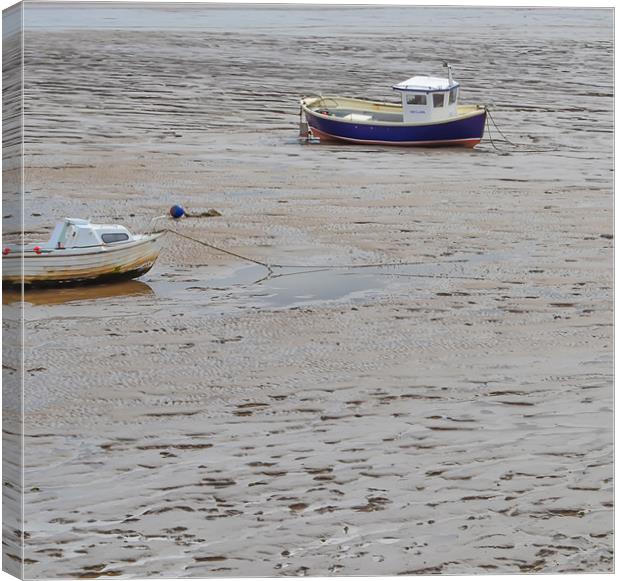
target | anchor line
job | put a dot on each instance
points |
(489, 134)
(223, 250)
(270, 267)
(498, 129)
(518, 147)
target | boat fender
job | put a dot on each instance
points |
(6, 250)
(37, 249)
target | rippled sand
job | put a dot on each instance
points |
(451, 417)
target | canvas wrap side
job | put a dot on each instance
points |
(12, 315)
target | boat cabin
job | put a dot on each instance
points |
(428, 99)
(77, 233)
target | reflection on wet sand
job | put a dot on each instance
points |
(58, 296)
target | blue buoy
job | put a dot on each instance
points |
(177, 211)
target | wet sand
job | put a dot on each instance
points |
(452, 416)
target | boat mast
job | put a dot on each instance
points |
(447, 65)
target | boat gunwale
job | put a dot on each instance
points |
(71, 252)
(476, 110)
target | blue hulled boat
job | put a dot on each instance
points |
(428, 116)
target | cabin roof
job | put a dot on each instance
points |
(80, 223)
(422, 83)
(84, 234)
(77, 221)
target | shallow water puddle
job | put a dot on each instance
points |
(255, 286)
(284, 287)
(289, 287)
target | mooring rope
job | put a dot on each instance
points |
(498, 129)
(270, 267)
(223, 250)
(518, 147)
(489, 134)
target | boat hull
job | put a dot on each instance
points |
(465, 130)
(85, 266)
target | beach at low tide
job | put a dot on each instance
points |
(451, 415)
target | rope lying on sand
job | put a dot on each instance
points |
(240, 256)
(517, 147)
(270, 267)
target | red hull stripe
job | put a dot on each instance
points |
(467, 142)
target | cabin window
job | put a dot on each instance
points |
(438, 99)
(416, 99)
(114, 237)
(452, 98)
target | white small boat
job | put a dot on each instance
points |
(81, 252)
